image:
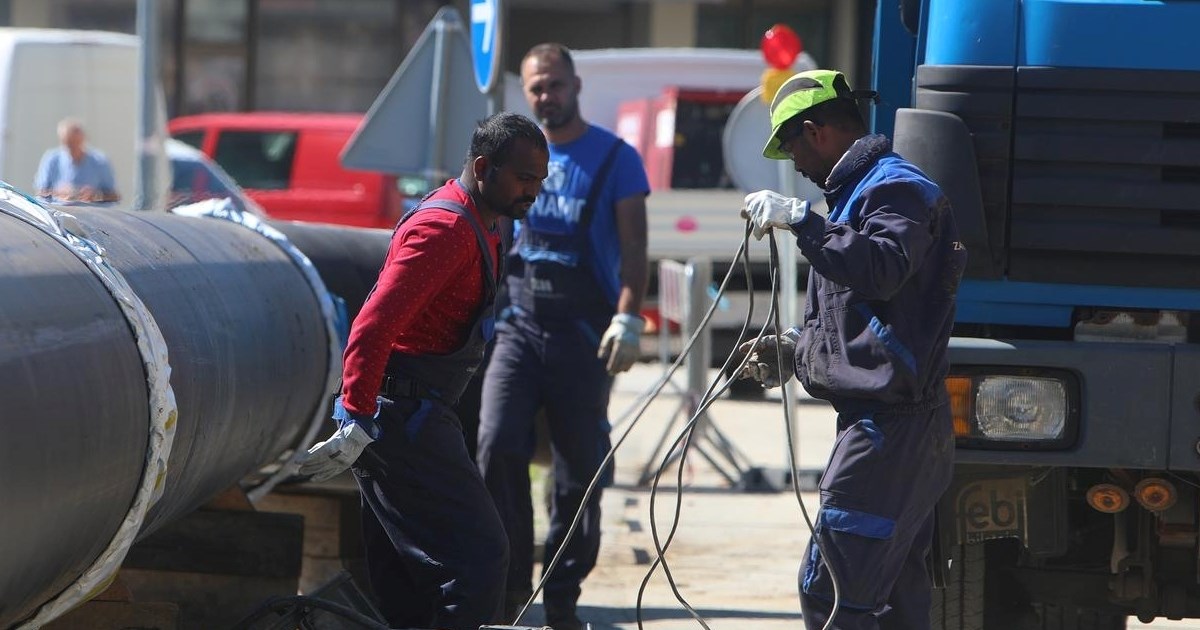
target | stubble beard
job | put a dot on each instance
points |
(563, 117)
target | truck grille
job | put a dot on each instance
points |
(1088, 176)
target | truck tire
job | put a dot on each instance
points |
(959, 606)
(965, 603)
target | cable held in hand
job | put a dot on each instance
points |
(766, 356)
(767, 209)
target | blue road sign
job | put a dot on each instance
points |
(485, 42)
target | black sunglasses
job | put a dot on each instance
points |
(789, 132)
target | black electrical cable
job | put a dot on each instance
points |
(685, 437)
(795, 465)
(686, 433)
(649, 398)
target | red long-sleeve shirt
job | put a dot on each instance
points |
(428, 292)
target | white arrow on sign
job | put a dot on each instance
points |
(485, 13)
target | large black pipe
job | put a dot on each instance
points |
(74, 413)
(249, 358)
(347, 259)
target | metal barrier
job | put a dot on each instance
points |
(683, 299)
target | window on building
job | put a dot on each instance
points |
(330, 55)
(214, 57)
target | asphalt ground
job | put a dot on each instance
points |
(736, 554)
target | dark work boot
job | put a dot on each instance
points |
(561, 615)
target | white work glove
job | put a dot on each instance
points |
(767, 209)
(621, 344)
(328, 459)
(768, 354)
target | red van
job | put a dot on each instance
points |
(288, 163)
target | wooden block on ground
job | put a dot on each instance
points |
(109, 615)
(260, 544)
(218, 566)
(332, 531)
(207, 601)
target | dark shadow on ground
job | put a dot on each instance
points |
(756, 482)
(607, 618)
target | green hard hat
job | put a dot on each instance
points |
(802, 91)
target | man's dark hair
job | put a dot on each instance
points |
(552, 49)
(842, 113)
(496, 134)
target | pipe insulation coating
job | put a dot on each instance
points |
(349, 259)
(248, 359)
(74, 418)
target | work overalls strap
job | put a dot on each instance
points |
(552, 275)
(445, 377)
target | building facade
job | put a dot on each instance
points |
(336, 55)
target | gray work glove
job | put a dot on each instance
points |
(768, 354)
(621, 344)
(328, 459)
(767, 209)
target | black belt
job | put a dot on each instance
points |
(402, 387)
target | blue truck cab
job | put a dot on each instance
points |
(1066, 134)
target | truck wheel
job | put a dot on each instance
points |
(980, 595)
(959, 606)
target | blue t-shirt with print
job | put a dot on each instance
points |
(559, 207)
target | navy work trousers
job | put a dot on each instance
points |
(436, 550)
(878, 493)
(554, 368)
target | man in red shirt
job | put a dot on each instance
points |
(436, 550)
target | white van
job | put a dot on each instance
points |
(613, 75)
(49, 74)
(682, 222)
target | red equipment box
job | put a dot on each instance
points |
(683, 132)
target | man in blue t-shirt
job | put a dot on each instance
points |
(576, 278)
(73, 171)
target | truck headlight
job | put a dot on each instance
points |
(1014, 410)
(1020, 408)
